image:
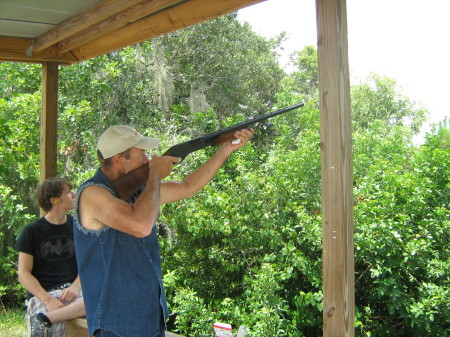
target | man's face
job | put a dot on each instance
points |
(67, 198)
(137, 158)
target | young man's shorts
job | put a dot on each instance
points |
(35, 306)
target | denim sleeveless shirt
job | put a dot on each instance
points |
(120, 275)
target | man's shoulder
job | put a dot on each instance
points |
(96, 192)
(99, 182)
(28, 235)
(37, 224)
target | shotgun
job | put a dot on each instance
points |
(129, 183)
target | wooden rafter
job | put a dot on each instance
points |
(111, 25)
(81, 21)
(18, 50)
(114, 22)
(171, 19)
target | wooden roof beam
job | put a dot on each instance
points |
(16, 50)
(81, 21)
(115, 22)
(174, 18)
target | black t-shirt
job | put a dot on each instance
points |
(53, 249)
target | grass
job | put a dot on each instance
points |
(12, 323)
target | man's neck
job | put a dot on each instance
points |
(111, 173)
(56, 216)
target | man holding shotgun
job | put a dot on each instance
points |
(116, 243)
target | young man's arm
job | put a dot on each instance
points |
(31, 284)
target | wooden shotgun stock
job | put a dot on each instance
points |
(129, 183)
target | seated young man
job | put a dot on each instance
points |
(47, 265)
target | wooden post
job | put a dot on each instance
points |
(49, 115)
(336, 161)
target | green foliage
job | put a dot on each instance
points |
(223, 64)
(19, 78)
(306, 78)
(378, 99)
(19, 173)
(401, 233)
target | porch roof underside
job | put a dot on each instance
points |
(71, 31)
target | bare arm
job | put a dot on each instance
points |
(31, 284)
(172, 191)
(98, 207)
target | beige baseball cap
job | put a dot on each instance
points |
(119, 138)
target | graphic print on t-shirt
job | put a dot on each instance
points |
(57, 248)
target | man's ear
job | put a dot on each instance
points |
(118, 161)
